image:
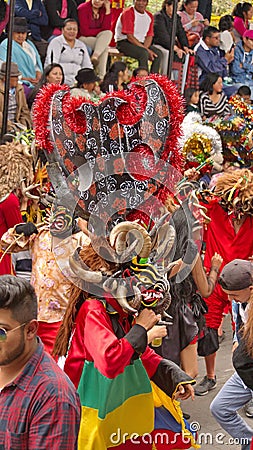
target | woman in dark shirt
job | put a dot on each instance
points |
(163, 28)
(58, 11)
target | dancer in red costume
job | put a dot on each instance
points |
(230, 234)
(114, 164)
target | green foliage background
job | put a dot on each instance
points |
(218, 7)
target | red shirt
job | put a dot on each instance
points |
(90, 26)
(10, 215)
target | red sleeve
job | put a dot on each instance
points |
(239, 25)
(6, 19)
(151, 27)
(151, 361)
(84, 18)
(127, 21)
(11, 211)
(110, 354)
(107, 22)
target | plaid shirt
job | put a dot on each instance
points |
(40, 409)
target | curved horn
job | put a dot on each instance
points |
(136, 301)
(110, 284)
(121, 298)
(26, 151)
(125, 227)
(80, 272)
(165, 240)
(120, 243)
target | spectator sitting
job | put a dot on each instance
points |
(139, 72)
(116, 78)
(18, 112)
(35, 13)
(58, 11)
(226, 28)
(191, 96)
(53, 73)
(242, 13)
(192, 21)
(162, 34)
(86, 86)
(245, 93)
(210, 58)
(242, 65)
(4, 18)
(24, 53)
(134, 35)
(48, 412)
(69, 52)
(95, 31)
(212, 100)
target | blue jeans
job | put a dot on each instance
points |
(225, 405)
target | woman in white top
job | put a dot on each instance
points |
(69, 52)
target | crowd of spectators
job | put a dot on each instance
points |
(78, 36)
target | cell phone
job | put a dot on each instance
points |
(232, 46)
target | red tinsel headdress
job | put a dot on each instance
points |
(115, 157)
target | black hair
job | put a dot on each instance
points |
(111, 77)
(69, 20)
(184, 223)
(186, 2)
(43, 82)
(241, 8)
(167, 2)
(209, 31)
(244, 90)
(226, 22)
(208, 82)
(2, 10)
(188, 93)
(18, 296)
(137, 70)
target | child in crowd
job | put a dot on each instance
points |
(87, 86)
(192, 100)
(140, 72)
(245, 93)
(226, 27)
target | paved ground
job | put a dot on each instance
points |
(210, 431)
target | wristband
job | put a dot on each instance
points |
(215, 269)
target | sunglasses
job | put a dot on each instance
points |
(4, 333)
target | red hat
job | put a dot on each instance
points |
(248, 34)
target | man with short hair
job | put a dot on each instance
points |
(236, 280)
(211, 59)
(242, 67)
(209, 56)
(134, 34)
(39, 407)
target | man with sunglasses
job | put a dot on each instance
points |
(39, 407)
